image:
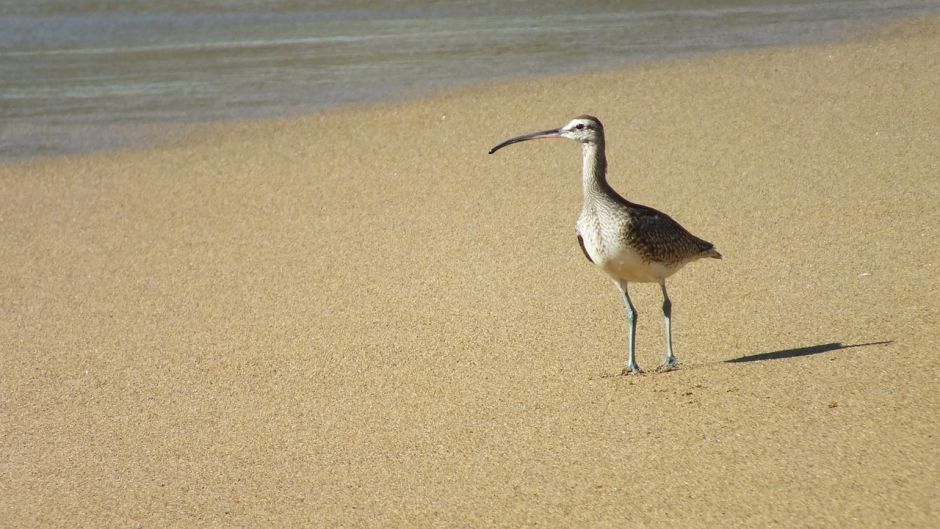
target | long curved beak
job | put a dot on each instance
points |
(553, 133)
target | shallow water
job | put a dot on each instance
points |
(74, 77)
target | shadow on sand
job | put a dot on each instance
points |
(801, 351)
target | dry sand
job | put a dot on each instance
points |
(360, 319)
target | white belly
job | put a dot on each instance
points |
(623, 263)
(608, 250)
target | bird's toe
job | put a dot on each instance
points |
(631, 370)
(669, 365)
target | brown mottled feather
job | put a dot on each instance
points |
(659, 238)
(583, 249)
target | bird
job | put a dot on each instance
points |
(629, 242)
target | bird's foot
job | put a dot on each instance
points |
(670, 364)
(631, 370)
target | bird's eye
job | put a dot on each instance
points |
(579, 126)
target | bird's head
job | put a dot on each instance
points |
(584, 129)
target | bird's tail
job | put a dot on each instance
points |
(711, 252)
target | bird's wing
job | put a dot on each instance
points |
(583, 249)
(660, 238)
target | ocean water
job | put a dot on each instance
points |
(80, 75)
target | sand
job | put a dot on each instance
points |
(361, 319)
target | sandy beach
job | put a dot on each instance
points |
(362, 319)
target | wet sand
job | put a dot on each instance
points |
(361, 319)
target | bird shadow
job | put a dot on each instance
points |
(801, 351)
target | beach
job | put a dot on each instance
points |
(361, 319)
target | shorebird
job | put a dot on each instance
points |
(629, 242)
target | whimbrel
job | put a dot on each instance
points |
(629, 242)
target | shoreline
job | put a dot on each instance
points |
(137, 137)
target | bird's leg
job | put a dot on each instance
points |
(632, 366)
(670, 362)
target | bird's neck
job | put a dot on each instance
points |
(594, 171)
